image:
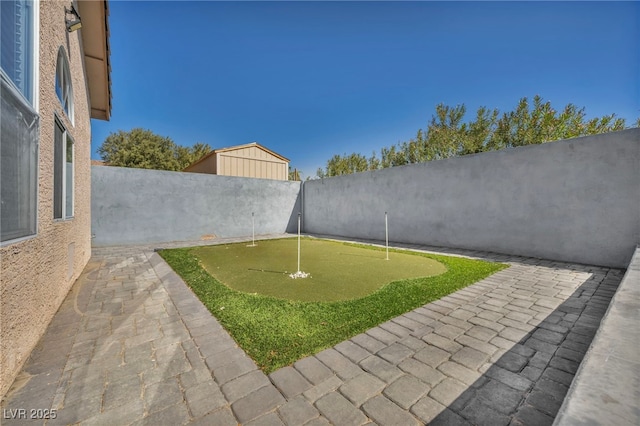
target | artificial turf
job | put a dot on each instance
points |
(338, 271)
(276, 332)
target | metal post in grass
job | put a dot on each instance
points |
(299, 273)
(386, 233)
(298, 242)
(253, 231)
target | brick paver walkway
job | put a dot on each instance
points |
(132, 345)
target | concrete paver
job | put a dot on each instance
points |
(361, 388)
(289, 381)
(298, 411)
(132, 344)
(406, 391)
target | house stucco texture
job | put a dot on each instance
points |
(38, 270)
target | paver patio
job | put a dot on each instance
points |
(131, 344)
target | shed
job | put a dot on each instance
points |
(249, 160)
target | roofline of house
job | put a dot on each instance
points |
(97, 55)
(247, 145)
(233, 148)
(199, 161)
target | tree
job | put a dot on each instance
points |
(542, 123)
(373, 162)
(344, 165)
(479, 132)
(392, 156)
(189, 155)
(446, 131)
(448, 135)
(294, 174)
(141, 148)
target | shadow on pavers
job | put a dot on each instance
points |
(526, 384)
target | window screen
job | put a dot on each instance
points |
(68, 177)
(62, 173)
(16, 49)
(58, 170)
(64, 89)
(18, 165)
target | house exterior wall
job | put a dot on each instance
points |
(252, 162)
(37, 273)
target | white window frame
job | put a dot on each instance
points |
(34, 104)
(35, 69)
(66, 138)
(63, 81)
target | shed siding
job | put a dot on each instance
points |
(244, 161)
(251, 162)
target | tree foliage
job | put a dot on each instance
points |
(344, 165)
(189, 155)
(141, 148)
(449, 135)
(295, 174)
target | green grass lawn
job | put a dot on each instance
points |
(276, 332)
(338, 271)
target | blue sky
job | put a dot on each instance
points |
(313, 79)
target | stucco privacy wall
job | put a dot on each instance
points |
(133, 206)
(575, 200)
(37, 272)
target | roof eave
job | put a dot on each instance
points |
(95, 42)
(256, 144)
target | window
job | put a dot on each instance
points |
(17, 56)
(19, 126)
(63, 84)
(18, 166)
(62, 173)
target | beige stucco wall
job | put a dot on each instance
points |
(34, 278)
